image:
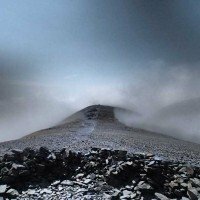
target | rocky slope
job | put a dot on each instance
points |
(98, 174)
(97, 126)
(155, 167)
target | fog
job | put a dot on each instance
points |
(166, 100)
(163, 99)
(57, 57)
(28, 108)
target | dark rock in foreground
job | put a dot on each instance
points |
(99, 174)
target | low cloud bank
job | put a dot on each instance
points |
(166, 100)
(159, 97)
(25, 105)
(22, 116)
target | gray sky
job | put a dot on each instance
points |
(70, 54)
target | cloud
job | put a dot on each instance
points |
(141, 55)
(165, 99)
(26, 105)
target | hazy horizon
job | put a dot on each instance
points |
(57, 57)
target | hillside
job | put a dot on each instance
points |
(96, 126)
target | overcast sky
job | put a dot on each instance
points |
(59, 56)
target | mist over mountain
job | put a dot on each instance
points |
(57, 57)
(167, 102)
(179, 120)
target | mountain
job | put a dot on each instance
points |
(180, 119)
(188, 107)
(97, 126)
(87, 117)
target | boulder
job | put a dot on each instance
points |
(43, 152)
(193, 194)
(67, 182)
(161, 196)
(12, 192)
(3, 188)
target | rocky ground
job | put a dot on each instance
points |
(96, 126)
(98, 174)
(155, 167)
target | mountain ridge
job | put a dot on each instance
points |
(96, 126)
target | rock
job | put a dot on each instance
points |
(179, 180)
(195, 182)
(107, 196)
(80, 184)
(3, 189)
(86, 181)
(47, 191)
(67, 182)
(40, 168)
(51, 156)
(18, 154)
(133, 182)
(149, 155)
(193, 194)
(133, 196)
(18, 166)
(13, 192)
(9, 157)
(17, 151)
(92, 176)
(129, 187)
(78, 176)
(144, 186)
(31, 192)
(127, 193)
(190, 171)
(151, 163)
(24, 173)
(60, 188)
(161, 196)
(185, 185)
(104, 153)
(120, 154)
(156, 175)
(184, 198)
(115, 174)
(4, 171)
(28, 152)
(44, 152)
(189, 185)
(121, 175)
(182, 170)
(95, 149)
(55, 183)
(179, 193)
(115, 195)
(172, 184)
(82, 190)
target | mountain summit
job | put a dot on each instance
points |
(83, 119)
(97, 126)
